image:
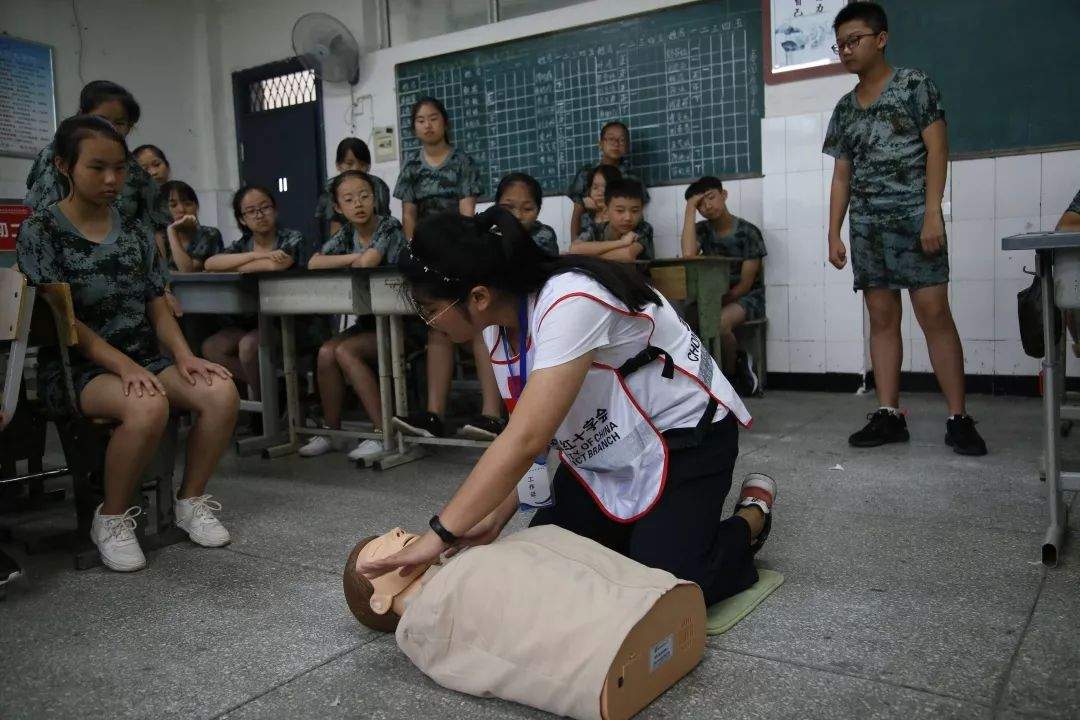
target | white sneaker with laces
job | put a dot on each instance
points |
(366, 449)
(318, 445)
(195, 515)
(115, 538)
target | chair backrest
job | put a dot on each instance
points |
(12, 292)
(16, 303)
(53, 322)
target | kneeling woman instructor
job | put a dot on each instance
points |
(646, 425)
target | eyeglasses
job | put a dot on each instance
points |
(617, 140)
(258, 211)
(429, 320)
(850, 43)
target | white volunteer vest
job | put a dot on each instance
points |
(608, 439)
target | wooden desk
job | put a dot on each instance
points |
(703, 280)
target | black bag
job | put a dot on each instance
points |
(1029, 310)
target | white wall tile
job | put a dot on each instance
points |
(773, 160)
(906, 365)
(776, 309)
(1009, 359)
(804, 201)
(978, 357)
(825, 118)
(806, 313)
(973, 189)
(777, 263)
(1060, 181)
(807, 256)
(803, 142)
(1009, 265)
(1017, 186)
(777, 352)
(973, 245)
(843, 315)
(908, 324)
(973, 309)
(774, 201)
(844, 357)
(1006, 324)
(808, 357)
(734, 197)
(751, 203)
(664, 213)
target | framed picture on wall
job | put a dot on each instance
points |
(798, 39)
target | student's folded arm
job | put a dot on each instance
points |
(184, 262)
(599, 247)
(467, 206)
(265, 265)
(225, 262)
(368, 259)
(331, 262)
(627, 253)
(935, 137)
(408, 218)
(544, 403)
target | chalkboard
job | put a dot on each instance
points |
(1007, 69)
(686, 80)
(27, 97)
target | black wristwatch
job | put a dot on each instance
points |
(445, 535)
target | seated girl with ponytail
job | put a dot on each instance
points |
(592, 361)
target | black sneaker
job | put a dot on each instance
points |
(9, 569)
(962, 437)
(482, 427)
(884, 427)
(421, 424)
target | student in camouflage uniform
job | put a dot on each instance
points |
(138, 197)
(442, 178)
(118, 371)
(264, 247)
(522, 195)
(726, 235)
(626, 237)
(614, 148)
(152, 159)
(352, 154)
(889, 140)
(439, 177)
(367, 240)
(597, 182)
(189, 242)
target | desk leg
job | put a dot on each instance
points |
(292, 391)
(1053, 367)
(402, 453)
(268, 392)
(707, 285)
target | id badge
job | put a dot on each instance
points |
(534, 489)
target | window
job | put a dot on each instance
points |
(283, 91)
(517, 8)
(418, 19)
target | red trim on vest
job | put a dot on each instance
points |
(491, 353)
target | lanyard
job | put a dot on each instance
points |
(517, 383)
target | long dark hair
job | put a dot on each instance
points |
(237, 201)
(531, 184)
(450, 254)
(158, 152)
(73, 130)
(185, 192)
(356, 146)
(99, 92)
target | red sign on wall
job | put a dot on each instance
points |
(12, 214)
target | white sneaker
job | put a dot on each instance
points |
(366, 449)
(115, 538)
(195, 515)
(318, 445)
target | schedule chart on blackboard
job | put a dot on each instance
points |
(686, 80)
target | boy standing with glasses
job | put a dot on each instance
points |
(889, 139)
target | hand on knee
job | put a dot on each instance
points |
(219, 401)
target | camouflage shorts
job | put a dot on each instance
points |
(753, 303)
(886, 253)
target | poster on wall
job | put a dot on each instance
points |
(799, 38)
(12, 215)
(27, 97)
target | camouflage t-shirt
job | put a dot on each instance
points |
(544, 237)
(434, 190)
(206, 243)
(324, 208)
(597, 231)
(138, 198)
(578, 190)
(291, 241)
(111, 283)
(388, 239)
(744, 242)
(884, 145)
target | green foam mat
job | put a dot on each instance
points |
(723, 616)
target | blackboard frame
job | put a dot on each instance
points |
(4, 152)
(585, 26)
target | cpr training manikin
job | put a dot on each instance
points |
(542, 617)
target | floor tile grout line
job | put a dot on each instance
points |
(1006, 676)
(297, 676)
(854, 676)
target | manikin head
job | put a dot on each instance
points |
(379, 603)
